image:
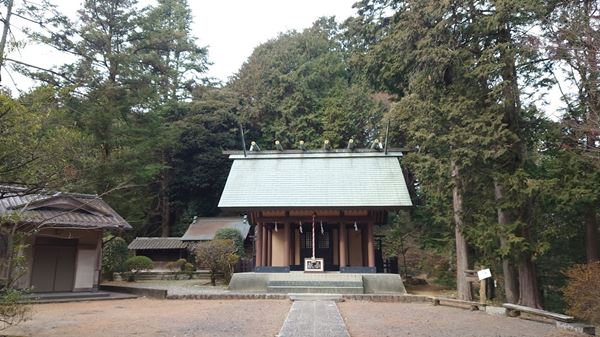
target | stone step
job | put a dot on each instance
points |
(315, 289)
(316, 297)
(318, 283)
(66, 295)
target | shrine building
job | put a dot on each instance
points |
(340, 196)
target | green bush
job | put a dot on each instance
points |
(136, 264)
(114, 254)
(176, 266)
(188, 267)
(234, 235)
(582, 292)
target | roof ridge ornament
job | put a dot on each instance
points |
(254, 146)
(376, 145)
(278, 146)
(351, 144)
(301, 145)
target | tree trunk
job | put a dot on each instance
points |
(5, 30)
(511, 288)
(165, 219)
(591, 237)
(462, 254)
(530, 294)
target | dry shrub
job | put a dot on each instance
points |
(582, 292)
(219, 257)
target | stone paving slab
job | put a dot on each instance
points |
(316, 297)
(314, 319)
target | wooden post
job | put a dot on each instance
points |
(264, 245)
(370, 245)
(286, 232)
(270, 247)
(482, 292)
(342, 245)
(293, 231)
(258, 244)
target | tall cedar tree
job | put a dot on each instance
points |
(469, 51)
(574, 37)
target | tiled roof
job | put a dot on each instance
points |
(144, 243)
(203, 229)
(305, 180)
(59, 209)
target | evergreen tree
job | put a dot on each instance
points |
(299, 87)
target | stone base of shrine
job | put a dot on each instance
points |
(329, 282)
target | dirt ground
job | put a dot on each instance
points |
(423, 320)
(148, 317)
(216, 318)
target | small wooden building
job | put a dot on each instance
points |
(165, 250)
(160, 250)
(64, 237)
(341, 194)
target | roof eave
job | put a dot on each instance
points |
(292, 207)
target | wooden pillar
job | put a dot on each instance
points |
(264, 245)
(287, 233)
(370, 245)
(292, 244)
(258, 244)
(270, 247)
(343, 248)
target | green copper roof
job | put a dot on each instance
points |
(319, 180)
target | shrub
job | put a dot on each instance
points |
(188, 269)
(234, 235)
(136, 264)
(181, 266)
(177, 265)
(582, 292)
(12, 309)
(114, 254)
(218, 256)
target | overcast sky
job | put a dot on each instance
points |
(230, 29)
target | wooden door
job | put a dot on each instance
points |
(324, 247)
(54, 265)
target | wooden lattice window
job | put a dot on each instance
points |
(307, 240)
(323, 240)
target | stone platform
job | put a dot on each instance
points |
(329, 282)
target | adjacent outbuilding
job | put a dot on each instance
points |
(63, 236)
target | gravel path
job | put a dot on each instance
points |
(148, 317)
(423, 320)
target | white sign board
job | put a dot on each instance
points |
(314, 265)
(484, 273)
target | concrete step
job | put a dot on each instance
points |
(315, 289)
(318, 283)
(66, 295)
(321, 285)
(316, 297)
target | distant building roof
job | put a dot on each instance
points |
(204, 229)
(295, 179)
(145, 243)
(60, 209)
